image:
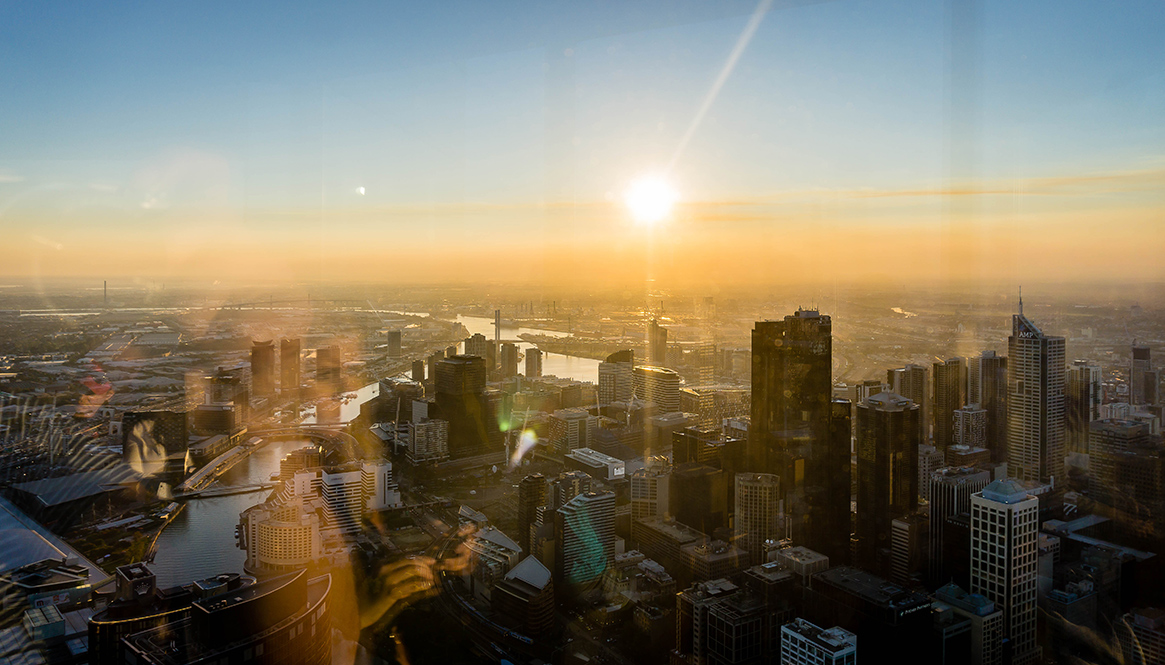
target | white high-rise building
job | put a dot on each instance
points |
(803, 643)
(1035, 403)
(1004, 560)
(757, 517)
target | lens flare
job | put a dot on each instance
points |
(526, 443)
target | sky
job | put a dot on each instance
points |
(422, 142)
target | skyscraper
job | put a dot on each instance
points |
(584, 538)
(649, 491)
(1111, 440)
(460, 388)
(615, 377)
(797, 430)
(289, 366)
(263, 368)
(393, 339)
(971, 426)
(950, 494)
(477, 345)
(329, 378)
(992, 397)
(658, 385)
(911, 382)
(656, 343)
(791, 384)
(1082, 403)
(887, 447)
(757, 515)
(532, 495)
(1035, 403)
(1140, 365)
(533, 363)
(950, 393)
(1004, 566)
(418, 373)
(509, 360)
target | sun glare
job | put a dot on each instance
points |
(650, 199)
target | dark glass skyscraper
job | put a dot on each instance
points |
(950, 394)
(797, 432)
(887, 449)
(460, 387)
(992, 397)
(263, 368)
(289, 368)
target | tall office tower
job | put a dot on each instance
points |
(392, 348)
(887, 446)
(329, 375)
(509, 360)
(791, 387)
(1141, 363)
(803, 643)
(1152, 383)
(656, 343)
(658, 385)
(698, 496)
(950, 495)
(1035, 403)
(571, 429)
(289, 366)
(533, 363)
(950, 393)
(911, 382)
(460, 388)
(1082, 398)
(477, 345)
(418, 371)
(909, 549)
(649, 491)
(263, 368)
(798, 432)
(584, 539)
(1004, 566)
(1109, 442)
(992, 398)
(971, 426)
(757, 516)
(533, 493)
(930, 459)
(1141, 633)
(567, 486)
(615, 377)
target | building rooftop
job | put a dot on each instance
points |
(831, 640)
(888, 401)
(531, 571)
(1005, 490)
(55, 491)
(871, 588)
(955, 596)
(591, 456)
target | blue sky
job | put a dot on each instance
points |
(278, 111)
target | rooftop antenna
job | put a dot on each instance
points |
(1021, 300)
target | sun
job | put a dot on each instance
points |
(650, 199)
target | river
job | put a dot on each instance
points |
(556, 364)
(200, 542)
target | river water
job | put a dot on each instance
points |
(200, 542)
(567, 367)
